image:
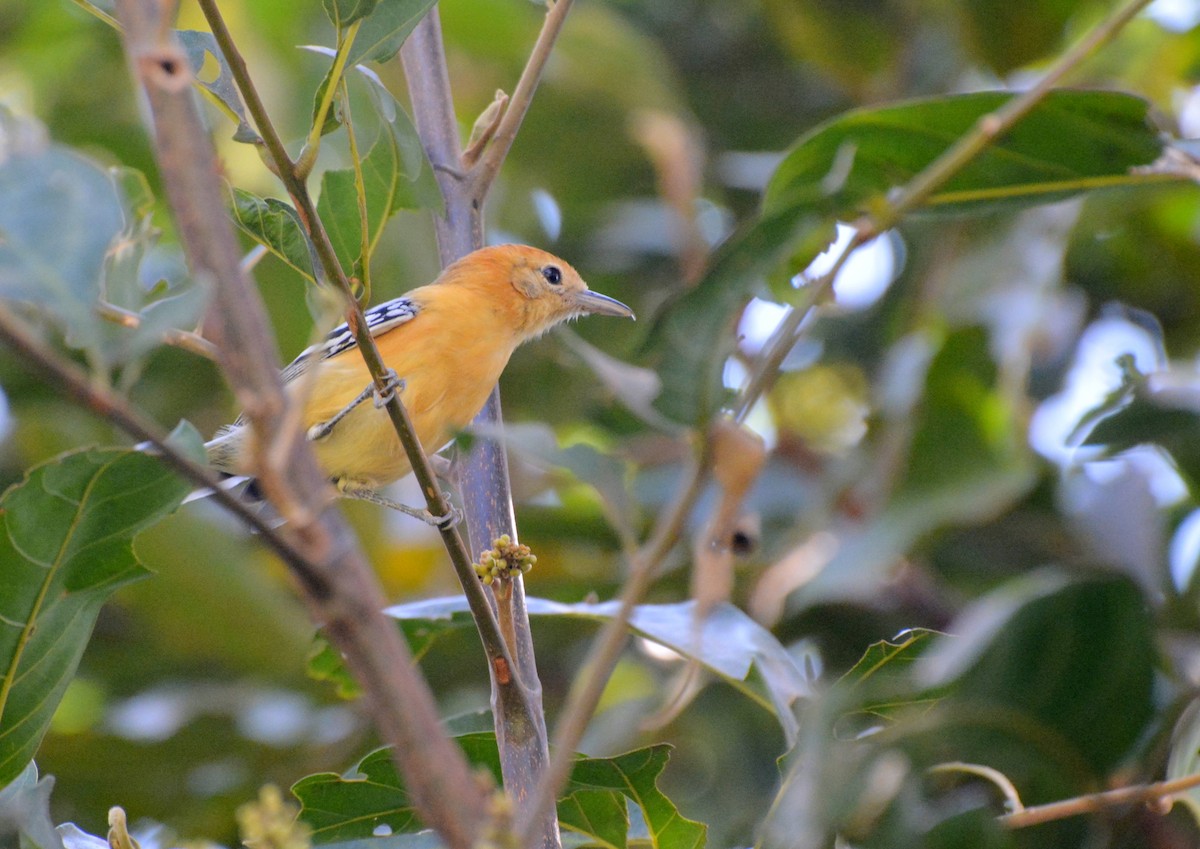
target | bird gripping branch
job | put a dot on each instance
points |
(446, 343)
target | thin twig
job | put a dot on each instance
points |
(609, 643)
(485, 171)
(349, 603)
(1161, 791)
(192, 342)
(484, 481)
(437, 504)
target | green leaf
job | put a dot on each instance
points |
(1073, 141)
(345, 12)
(276, 226)
(25, 812)
(1149, 410)
(1054, 656)
(727, 643)
(198, 46)
(384, 31)
(396, 175)
(59, 214)
(870, 685)
(695, 336)
(371, 795)
(67, 544)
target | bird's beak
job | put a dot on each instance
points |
(597, 304)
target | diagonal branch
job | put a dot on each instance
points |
(349, 602)
(293, 181)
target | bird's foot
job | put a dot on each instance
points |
(391, 384)
(362, 492)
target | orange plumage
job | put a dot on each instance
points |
(447, 341)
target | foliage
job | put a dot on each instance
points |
(965, 580)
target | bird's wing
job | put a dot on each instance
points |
(380, 319)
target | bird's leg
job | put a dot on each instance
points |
(321, 430)
(360, 491)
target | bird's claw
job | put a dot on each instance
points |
(442, 523)
(391, 383)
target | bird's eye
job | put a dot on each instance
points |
(553, 275)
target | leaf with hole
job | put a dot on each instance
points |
(222, 89)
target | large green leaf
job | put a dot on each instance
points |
(372, 794)
(1071, 142)
(67, 544)
(1060, 660)
(276, 226)
(59, 213)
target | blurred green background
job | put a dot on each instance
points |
(654, 130)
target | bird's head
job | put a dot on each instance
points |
(540, 289)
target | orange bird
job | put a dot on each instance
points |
(447, 343)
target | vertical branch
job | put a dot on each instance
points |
(484, 479)
(344, 595)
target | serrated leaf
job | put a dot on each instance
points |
(66, 545)
(345, 12)
(879, 683)
(372, 794)
(59, 213)
(276, 226)
(384, 31)
(25, 812)
(727, 643)
(1073, 141)
(198, 45)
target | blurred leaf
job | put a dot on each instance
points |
(67, 545)
(386, 28)
(59, 213)
(727, 642)
(276, 226)
(198, 45)
(967, 461)
(635, 387)
(694, 336)
(1162, 409)
(1076, 657)
(606, 473)
(345, 12)
(372, 795)
(852, 42)
(1184, 759)
(1010, 34)
(25, 811)
(74, 837)
(850, 163)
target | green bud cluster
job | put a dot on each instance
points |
(504, 560)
